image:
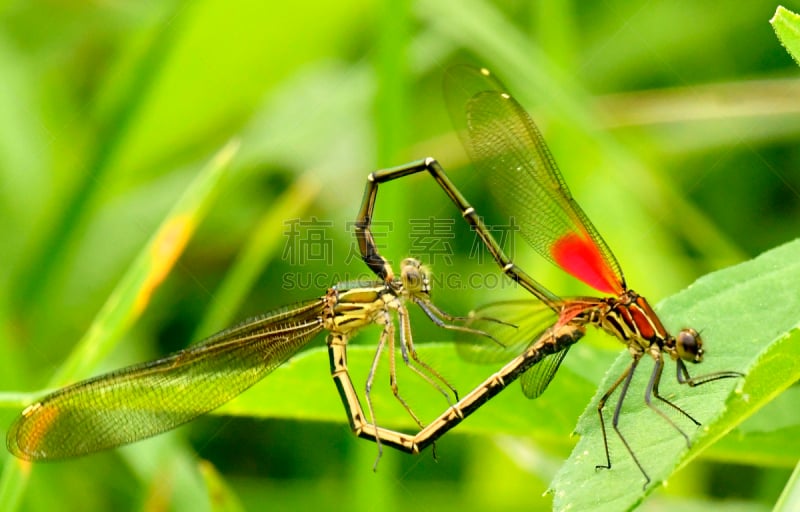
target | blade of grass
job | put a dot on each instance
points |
(131, 295)
(251, 260)
(42, 266)
(790, 497)
(152, 265)
(391, 137)
(391, 109)
(220, 496)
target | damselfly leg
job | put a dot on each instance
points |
(505, 145)
(143, 400)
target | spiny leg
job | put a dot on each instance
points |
(407, 345)
(337, 351)
(625, 380)
(600, 407)
(393, 380)
(440, 318)
(388, 332)
(652, 386)
(684, 377)
(623, 392)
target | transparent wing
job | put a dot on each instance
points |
(536, 379)
(520, 323)
(532, 319)
(505, 146)
(149, 398)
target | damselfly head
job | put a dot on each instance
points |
(415, 276)
(689, 345)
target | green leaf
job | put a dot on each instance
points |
(220, 495)
(790, 497)
(769, 438)
(748, 315)
(787, 27)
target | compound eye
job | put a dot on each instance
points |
(414, 279)
(689, 345)
(415, 276)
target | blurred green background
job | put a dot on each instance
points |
(673, 122)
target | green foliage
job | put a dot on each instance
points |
(762, 342)
(787, 26)
(670, 122)
(133, 293)
(221, 497)
(736, 339)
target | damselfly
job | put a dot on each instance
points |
(143, 400)
(506, 146)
